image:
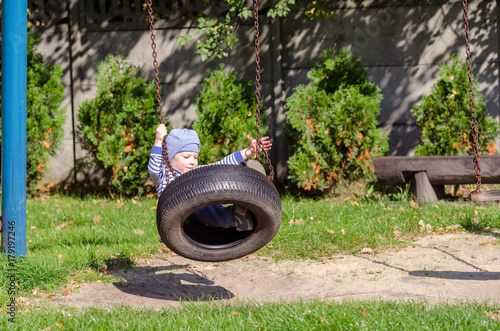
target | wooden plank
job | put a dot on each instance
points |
(485, 196)
(440, 170)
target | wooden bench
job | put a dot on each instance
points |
(427, 175)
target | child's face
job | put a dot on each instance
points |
(185, 161)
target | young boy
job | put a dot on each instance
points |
(183, 146)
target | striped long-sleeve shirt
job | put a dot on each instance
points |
(159, 173)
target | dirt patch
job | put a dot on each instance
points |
(448, 267)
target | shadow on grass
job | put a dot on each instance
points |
(171, 282)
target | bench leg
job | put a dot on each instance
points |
(424, 190)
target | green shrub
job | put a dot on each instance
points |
(338, 69)
(45, 116)
(226, 115)
(331, 125)
(117, 127)
(444, 115)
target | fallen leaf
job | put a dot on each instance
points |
(139, 232)
(163, 249)
(330, 231)
(495, 316)
(413, 204)
(235, 313)
(252, 257)
(96, 219)
(366, 250)
(61, 325)
(47, 295)
(67, 291)
(296, 222)
(398, 234)
(35, 291)
(62, 225)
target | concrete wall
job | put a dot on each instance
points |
(402, 43)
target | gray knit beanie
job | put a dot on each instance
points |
(182, 140)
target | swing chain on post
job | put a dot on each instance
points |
(474, 123)
(157, 81)
(257, 87)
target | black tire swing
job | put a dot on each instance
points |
(477, 194)
(217, 184)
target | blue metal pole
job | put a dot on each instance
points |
(14, 95)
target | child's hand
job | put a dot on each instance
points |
(161, 133)
(253, 146)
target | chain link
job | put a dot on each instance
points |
(257, 87)
(474, 123)
(157, 81)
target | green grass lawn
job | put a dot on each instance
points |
(73, 240)
(312, 315)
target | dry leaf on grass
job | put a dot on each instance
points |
(398, 234)
(139, 232)
(495, 316)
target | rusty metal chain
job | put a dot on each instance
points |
(474, 123)
(257, 87)
(157, 81)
